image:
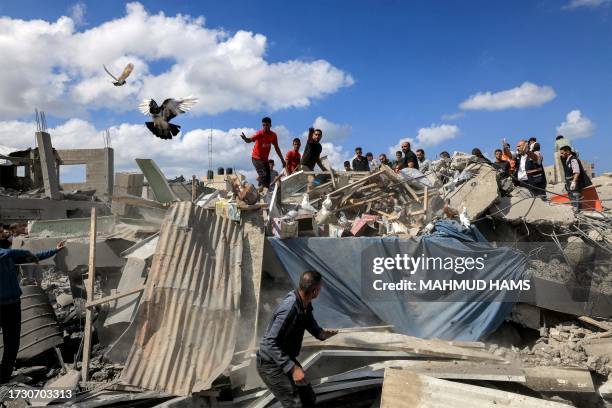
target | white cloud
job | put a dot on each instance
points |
(576, 125)
(574, 4)
(453, 116)
(428, 137)
(186, 155)
(332, 131)
(77, 13)
(524, 96)
(52, 66)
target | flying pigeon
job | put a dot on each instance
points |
(163, 114)
(126, 73)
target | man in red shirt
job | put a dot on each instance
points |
(263, 139)
(293, 157)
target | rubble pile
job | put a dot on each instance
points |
(178, 268)
(565, 345)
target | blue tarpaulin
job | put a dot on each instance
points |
(347, 299)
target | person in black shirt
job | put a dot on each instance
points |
(476, 152)
(410, 159)
(501, 164)
(280, 345)
(382, 158)
(360, 163)
(312, 151)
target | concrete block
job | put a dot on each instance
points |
(47, 162)
(64, 299)
(476, 194)
(532, 210)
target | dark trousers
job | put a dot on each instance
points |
(10, 321)
(537, 189)
(278, 382)
(263, 172)
(574, 195)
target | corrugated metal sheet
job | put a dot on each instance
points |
(39, 329)
(406, 389)
(187, 322)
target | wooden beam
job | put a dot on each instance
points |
(602, 325)
(194, 189)
(91, 276)
(116, 296)
(363, 180)
(358, 203)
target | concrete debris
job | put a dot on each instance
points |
(532, 210)
(211, 281)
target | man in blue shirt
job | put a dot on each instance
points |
(10, 299)
(277, 363)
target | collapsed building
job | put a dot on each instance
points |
(166, 286)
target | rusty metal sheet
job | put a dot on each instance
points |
(406, 389)
(39, 329)
(187, 322)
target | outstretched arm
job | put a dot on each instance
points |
(246, 139)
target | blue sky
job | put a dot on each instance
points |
(409, 63)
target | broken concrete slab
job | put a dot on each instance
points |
(75, 254)
(157, 181)
(559, 379)
(532, 210)
(14, 209)
(411, 390)
(64, 299)
(69, 226)
(133, 275)
(476, 194)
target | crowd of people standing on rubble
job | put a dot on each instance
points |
(524, 165)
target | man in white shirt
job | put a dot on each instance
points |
(529, 169)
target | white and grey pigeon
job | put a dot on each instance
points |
(162, 115)
(126, 73)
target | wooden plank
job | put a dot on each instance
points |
(358, 203)
(602, 325)
(363, 180)
(91, 275)
(114, 297)
(193, 188)
(400, 342)
(402, 183)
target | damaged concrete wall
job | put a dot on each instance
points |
(99, 170)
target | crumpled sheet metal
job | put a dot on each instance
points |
(187, 322)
